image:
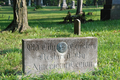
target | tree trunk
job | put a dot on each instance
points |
(9, 2)
(79, 7)
(59, 3)
(41, 2)
(20, 21)
(29, 3)
(35, 2)
(95, 3)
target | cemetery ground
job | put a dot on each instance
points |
(45, 23)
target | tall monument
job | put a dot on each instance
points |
(64, 5)
(111, 10)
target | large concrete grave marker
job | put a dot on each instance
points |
(77, 27)
(77, 55)
(111, 10)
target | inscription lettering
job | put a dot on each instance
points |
(56, 57)
(36, 47)
(48, 57)
(32, 47)
(67, 65)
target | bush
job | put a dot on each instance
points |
(38, 7)
(1, 2)
(33, 5)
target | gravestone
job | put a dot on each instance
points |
(8, 18)
(64, 5)
(77, 55)
(73, 5)
(77, 27)
(111, 10)
(9, 2)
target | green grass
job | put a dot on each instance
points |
(45, 23)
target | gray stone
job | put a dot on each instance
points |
(111, 10)
(64, 5)
(77, 27)
(73, 5)
(112, 1)
(42, 55)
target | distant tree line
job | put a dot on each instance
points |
(87, 2)
(56, 2)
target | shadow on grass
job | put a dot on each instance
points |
(45, 19)
(88, 26)
(5, 51)
(13, 72)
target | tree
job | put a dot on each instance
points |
(95, 3)
(79, 7)
(59, 3)
(29, 3)
(20, 21)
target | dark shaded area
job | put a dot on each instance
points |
(5, 51)
(12, 71)
(43, 19)
(48, 22)
(111, 10)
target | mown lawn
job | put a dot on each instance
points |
(46, 23)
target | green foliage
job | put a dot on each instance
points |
(51, 2)
(1, 2)
(38, 7)
(33, 5)
(45, 23)
(89, 2)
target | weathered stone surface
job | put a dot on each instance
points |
(115, 1)
(111, 10)
(73, 5)
(79, 55)
(64, 5)
(77, 27)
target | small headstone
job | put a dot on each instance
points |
(73, 5)
(111, 10)
(77, 55)
(77, 27)
(8, 18)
